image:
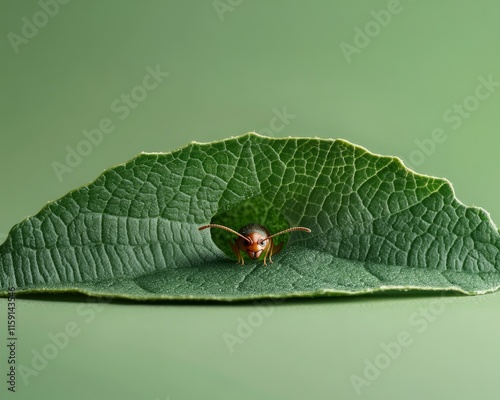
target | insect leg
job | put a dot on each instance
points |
(268, 252)
(236, 252)
(274, 250)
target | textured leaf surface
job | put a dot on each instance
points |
(376, 226)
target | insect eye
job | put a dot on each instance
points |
(262, 242)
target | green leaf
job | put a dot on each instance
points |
(376, 226)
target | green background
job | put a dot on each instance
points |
(231, 71)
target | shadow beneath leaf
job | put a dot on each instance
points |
(410, 295)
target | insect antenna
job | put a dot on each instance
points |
(296, 228)
(225, 228)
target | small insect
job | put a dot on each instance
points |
(254, 239)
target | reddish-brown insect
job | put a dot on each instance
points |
(254, 239)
